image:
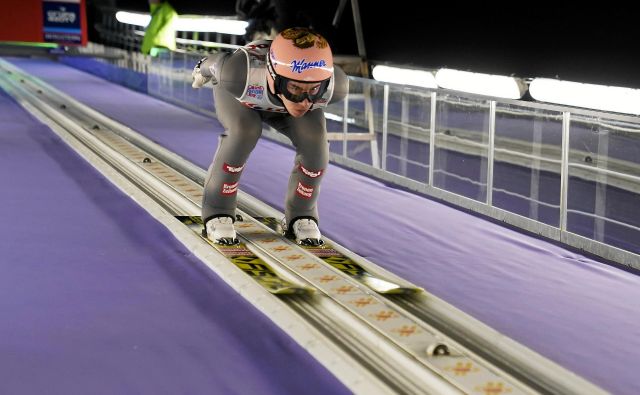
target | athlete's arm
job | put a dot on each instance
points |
(340, 84)
(229, 71)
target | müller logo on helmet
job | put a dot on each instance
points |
(298, 66)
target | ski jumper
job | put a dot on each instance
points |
(243, 102)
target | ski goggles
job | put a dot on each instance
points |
(297, 91)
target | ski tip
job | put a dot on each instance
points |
(403, 291)
(386, 287)
(293, 290)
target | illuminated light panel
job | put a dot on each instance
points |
(189, 23)
(398, 75)
(213, 25)
(598, 97)
(479, 83)
(133, 18)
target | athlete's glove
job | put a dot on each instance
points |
(198, 79)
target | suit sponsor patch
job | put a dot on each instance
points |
(304, 191)
(255, 91)
(232, 169)
(309, 173)
(229, 189)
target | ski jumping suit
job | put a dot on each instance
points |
(243, 101)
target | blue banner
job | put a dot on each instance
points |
(61, 22)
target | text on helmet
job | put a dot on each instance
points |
(298, 66)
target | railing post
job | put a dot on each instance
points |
(345, 125)
(432, 137)
(404, 135)
(490, 154)
(385, 119)
(564, 172)
(368, 108)
(600, 204)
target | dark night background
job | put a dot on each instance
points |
(571, 42)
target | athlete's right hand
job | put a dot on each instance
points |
(198, 79)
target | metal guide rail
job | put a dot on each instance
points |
(391, 328)
(415, 337)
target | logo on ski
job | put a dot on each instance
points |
(246, 260)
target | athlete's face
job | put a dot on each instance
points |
(301, 92)
(297, 109)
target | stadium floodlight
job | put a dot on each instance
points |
(403, 76)
(482, 84)
(189, 23)
(576, 94)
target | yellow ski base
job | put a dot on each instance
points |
(249, 262)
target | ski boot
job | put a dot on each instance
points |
(304, 230)
(220, 230)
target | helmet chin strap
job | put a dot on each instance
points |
(273, 75)
(274, 93)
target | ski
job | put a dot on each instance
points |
(248, 261)
(338, 260)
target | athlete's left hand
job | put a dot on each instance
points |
(198, 79)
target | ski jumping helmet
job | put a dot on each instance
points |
(302, 56)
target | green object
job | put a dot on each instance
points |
(155, 51)
(160, 33)
(29, 44)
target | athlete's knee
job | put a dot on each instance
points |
(246, 129)
(314, 136)
(314, 155)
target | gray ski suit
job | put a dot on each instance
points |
(243, 101)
